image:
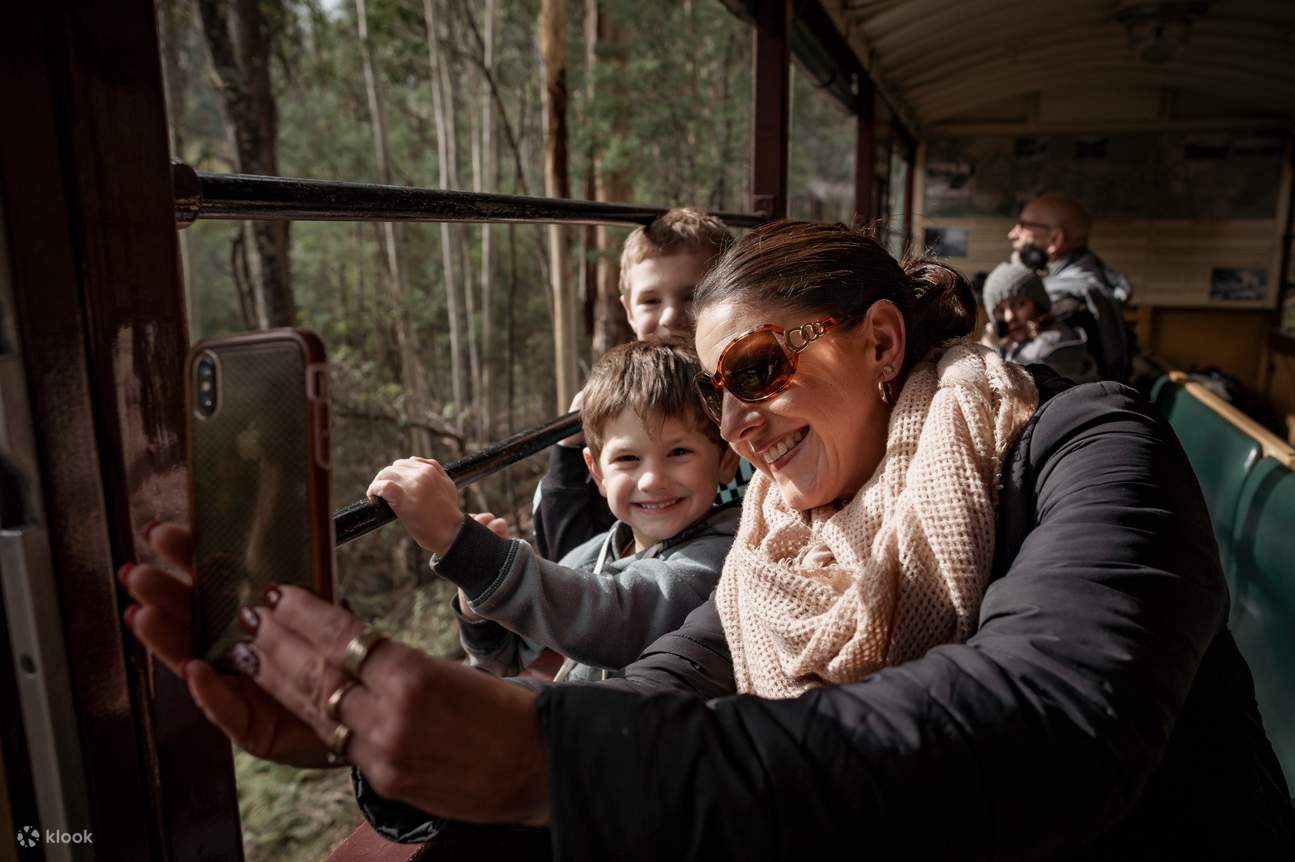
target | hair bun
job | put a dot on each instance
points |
(943, 305)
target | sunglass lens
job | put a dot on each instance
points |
(757, 367)
(711, 397)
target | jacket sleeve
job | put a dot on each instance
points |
(1028, 740)
(603, 620)
(492, 647)
(569, 510)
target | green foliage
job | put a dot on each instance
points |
(820, 172)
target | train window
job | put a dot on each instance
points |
(820, 182)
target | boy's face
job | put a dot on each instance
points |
(658, 301)
(659, 485)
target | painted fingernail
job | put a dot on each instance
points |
(248, 620)
(148, 528)
(271, 596)
(124, 572)
(245, 660)
(130, 616)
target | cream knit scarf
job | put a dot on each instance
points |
(829, 596)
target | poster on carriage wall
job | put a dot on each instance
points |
(1234, 284)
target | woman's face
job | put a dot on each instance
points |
(821, 438)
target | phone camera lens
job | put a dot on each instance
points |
(206, 386)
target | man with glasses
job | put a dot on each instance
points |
(1051, 236)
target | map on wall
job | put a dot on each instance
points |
(1170, 175)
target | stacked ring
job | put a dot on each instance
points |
(333, 709)
(337, 745)
(358, 649)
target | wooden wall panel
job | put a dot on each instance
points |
(1232, 341)
(1168, 261)
(1281, 391)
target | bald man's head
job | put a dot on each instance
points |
(1056, 223)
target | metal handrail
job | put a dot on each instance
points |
(364, 516)
(205, 195)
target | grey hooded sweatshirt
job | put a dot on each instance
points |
(597, 607)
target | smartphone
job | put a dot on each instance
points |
(259, 476)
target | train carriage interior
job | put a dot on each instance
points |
(440, 190)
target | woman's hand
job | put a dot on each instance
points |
(436, 734)
(162, 621)
(424, 498)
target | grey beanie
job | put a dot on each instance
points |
(1012, 280)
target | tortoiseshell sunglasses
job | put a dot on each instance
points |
(758, 364)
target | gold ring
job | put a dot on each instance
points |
(337, 745)
(358, 649)
(334, 707)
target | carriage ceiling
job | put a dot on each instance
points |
(985, 65)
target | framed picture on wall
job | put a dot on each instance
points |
(946, 241)
(1234, 284)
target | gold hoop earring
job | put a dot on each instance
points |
(883, 388)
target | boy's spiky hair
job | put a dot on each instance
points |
(652, 378)
(680, 231)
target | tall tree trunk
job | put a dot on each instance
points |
(553, 52)
(445, 171)
(610, 324)
(411, 370)
(510, 353)
(490, 170)
(240, 58)
(173, 25)
(590, 251)
(452, 106)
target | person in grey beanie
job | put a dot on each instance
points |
(1023, 329)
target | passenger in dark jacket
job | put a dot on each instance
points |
(1052, 235)
(1099, 710)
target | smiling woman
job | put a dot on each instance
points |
(870, 532)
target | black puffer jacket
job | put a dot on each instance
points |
(1100, 711)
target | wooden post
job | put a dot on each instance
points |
(910, 149)
(99, 319)
(772, 118)
(865, 154)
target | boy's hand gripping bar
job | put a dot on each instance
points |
(365, 516)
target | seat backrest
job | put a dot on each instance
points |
(1263, 598)
(1221, 456)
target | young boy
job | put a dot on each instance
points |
(661, 264)
(657, 459)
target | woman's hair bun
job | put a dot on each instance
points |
(943, 305)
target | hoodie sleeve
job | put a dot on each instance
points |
(492, 647)
(604, 620)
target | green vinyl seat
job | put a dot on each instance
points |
(1263, 598)
(1221, 456)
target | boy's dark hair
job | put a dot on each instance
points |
(652, 378)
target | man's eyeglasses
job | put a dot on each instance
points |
(1035, 225)
(758, 364)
